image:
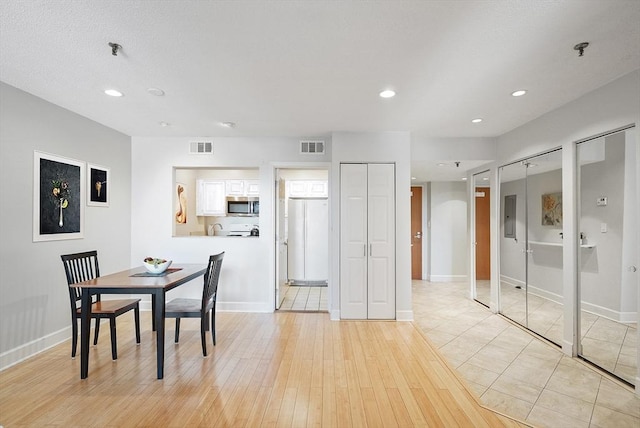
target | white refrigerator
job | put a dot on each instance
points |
(308, 241)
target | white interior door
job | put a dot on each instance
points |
(367, 261)
(281, 244)
(381, 232)
(353, 241)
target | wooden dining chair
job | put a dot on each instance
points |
(83, 267)
(195, 308)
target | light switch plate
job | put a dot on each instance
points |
(601, 201)
(603, 227)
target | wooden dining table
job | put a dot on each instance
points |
(134, 281)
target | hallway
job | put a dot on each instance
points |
(512, 371)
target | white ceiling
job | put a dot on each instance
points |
(307, 68)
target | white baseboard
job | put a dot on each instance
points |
(404, 315)
(22, 352)
(334, 315)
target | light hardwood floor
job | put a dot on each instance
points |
(283, 369)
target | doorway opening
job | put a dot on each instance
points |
(482, 238)
(416, 232)
(302, 239)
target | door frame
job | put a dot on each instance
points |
(471, 189)
(273, 241)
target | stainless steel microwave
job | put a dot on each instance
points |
(243, 206)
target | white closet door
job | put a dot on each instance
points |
(353, 241)
(367, 242)
(317, 240)
(381, 232)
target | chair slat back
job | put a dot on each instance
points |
(211, 277)
(80, 267)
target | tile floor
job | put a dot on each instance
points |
(304, 298)
(610, 345)
(514, 372)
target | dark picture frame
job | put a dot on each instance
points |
(58, 197)
(97, 185)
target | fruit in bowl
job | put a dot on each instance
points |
(155, 265)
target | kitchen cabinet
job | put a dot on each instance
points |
(243, 187)
(367, 241)
(211, 198)
(308, 188)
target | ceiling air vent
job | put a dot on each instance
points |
(201, 147)
(314, 147)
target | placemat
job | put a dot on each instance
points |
(165, 273)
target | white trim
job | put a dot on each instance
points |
(334, 315)
(404, 315)
(29, 349)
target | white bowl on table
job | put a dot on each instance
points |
(157, 267)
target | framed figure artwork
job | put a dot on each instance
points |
(97, 185)
(58, 197)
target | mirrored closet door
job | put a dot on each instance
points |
(608, 255)
(482, 237)
(531, 244)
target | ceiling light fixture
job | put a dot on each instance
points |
(228, 124)
(518, 93)
(388, 93)
(580, 47)
(476, 120)
(113, 93)
(441, 164)
(114, 48)
(464, 178)
(413, 178)
(155, 91)
(163, 124)
(485, 178)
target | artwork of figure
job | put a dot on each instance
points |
(181, 214)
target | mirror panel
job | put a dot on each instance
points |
(608, 252)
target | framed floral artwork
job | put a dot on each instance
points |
(58, 197)
(552, 209)
(97, 185)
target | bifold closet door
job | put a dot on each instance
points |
(367, 261)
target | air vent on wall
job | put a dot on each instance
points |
(201, 147)
(314, 147)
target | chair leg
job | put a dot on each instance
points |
(114, 346)
(96, 331)
(204, 323)
(213, 325)
(74, 337)
(136, 317)
(177, 330)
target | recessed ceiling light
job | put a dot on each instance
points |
(441, 164)
(113, 93)
(476, 120)
(228, 124)
(485, 178)
(388, 93)
(464, 178)
(155, 91)
(519, 93)
(163, 124)
(413, 178)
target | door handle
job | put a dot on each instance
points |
(633, 269)
(418, 235)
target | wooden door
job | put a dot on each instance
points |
(416, 232)
(483, 233)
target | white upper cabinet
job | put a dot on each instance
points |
(235, 187)
(211, 198)
(308, 189)
(243, 187)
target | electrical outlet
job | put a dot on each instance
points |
(601, 201)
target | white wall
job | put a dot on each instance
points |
(383, 147)
(247, 280)
(448, 235)
(35, 312)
